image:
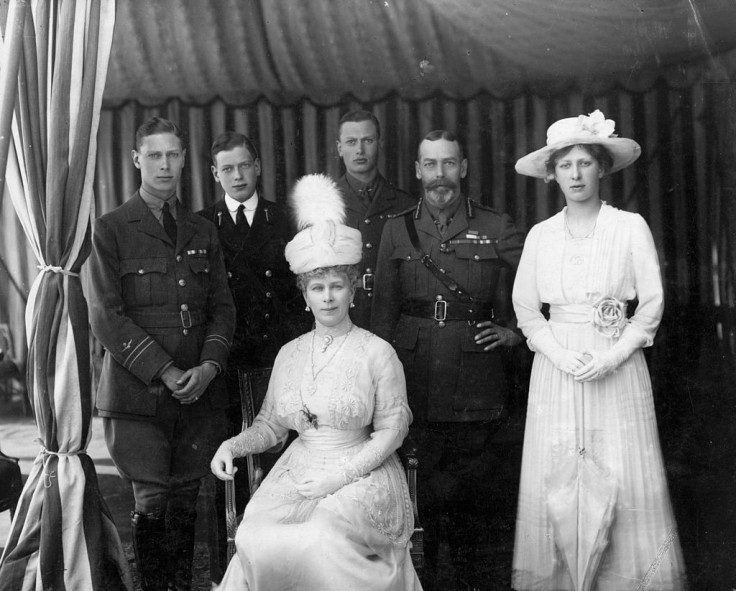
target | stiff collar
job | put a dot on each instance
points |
(250, 204)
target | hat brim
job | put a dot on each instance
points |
(623, 151)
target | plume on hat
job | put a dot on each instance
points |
(323, 239)
(315, 199)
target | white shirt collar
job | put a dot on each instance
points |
(250, 204)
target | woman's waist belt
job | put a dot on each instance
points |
(327, 439)
(571, 313)
(442, 310)
(181, 319)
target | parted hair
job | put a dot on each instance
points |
(232, 139)
(358, 115)
(443, 134)
(155, 126)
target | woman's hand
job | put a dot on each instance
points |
(222, 462)
(600, 364)
(315, 485)
(570, 362)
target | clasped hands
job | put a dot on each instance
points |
(585, 366)
(187, 386)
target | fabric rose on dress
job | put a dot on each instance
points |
(597, 124)
(609, 316)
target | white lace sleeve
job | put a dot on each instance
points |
(254, 440)
(382, 444)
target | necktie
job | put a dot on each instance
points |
(442, 223)
(365, 195)
(169, 222)
(240, 219)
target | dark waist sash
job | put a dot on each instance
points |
(442, 310)
(183, 319)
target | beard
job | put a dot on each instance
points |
(441, 193)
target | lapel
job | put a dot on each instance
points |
(425, 224)
(382, 197)
(187, 223)
(458, 224)
(148, 224)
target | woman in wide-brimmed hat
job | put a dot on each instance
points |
(334, 512)
(594, 509)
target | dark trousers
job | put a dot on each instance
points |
(455, 492)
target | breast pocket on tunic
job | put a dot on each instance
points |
(482, 266)
(410, 268)
(200, 267)
(144, 281)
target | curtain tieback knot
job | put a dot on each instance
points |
(55, 269)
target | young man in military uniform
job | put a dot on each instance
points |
(444, 270)
(160, 306)
(253, 233)
(369, 198)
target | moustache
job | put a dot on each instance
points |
(441, 183)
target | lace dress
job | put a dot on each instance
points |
(619, 262)
(357, 537)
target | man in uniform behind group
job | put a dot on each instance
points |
(449, 316)
(253, 233)
(369, 198)
(160, 306)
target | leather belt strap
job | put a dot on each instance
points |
(440, 274)
(183, 319)
(442, 310)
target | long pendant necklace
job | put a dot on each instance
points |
(309, 416)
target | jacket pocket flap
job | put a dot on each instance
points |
(143, 266)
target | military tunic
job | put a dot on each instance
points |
(386, 200)
(449, 376)
(270, 309)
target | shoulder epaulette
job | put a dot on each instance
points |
(410, 209)
(477, 205)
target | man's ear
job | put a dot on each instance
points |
(418, 170)
(463, 168)
(213, 168)
(136, 158)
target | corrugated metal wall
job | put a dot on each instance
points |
(673, 185)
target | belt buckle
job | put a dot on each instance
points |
(368, 281)
(186, 319)
(440, 311)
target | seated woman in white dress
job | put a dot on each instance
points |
(334, 512)
(594, 509)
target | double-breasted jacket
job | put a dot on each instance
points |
(449, 377)
(153, 302)
(386, 200)
(270, 309)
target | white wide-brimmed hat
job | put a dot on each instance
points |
(323, 239)
(584, 129)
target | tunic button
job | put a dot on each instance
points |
(367, 221)
(268, 273)
(178, 258)
(182, 282)
(184, 307)
(438, 298)
(185, 331)
(229, 275)
(140, 271)
(206, 269)
(368, 245)
(476, 257)
(408, 257)
(370, 294)
(268, 294)
(441, 324)
(267, 317)
(265, 337)
(368, 270)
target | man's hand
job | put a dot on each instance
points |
(171, 376)
(495, 335)
(193, 383)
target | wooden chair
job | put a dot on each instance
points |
(253, 386)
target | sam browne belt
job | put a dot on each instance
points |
(442, 310)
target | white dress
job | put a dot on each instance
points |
(618, 260)
(357, 537)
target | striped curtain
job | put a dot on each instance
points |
(675, 185)
(62, 535)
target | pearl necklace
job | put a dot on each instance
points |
(328, 339)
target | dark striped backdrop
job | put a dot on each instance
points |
(676, 185)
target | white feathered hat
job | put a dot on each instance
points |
(323, 239)
(584, 129)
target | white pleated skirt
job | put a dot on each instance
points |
(619, 436)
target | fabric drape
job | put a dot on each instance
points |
(62, 536)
